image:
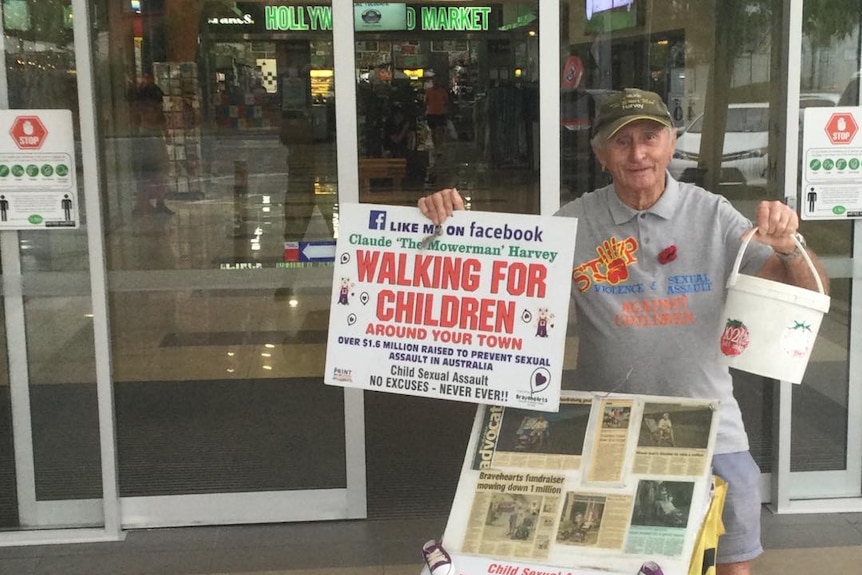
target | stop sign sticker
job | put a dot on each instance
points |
(28, 132)
(841, 128)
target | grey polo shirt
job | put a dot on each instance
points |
(648, 323)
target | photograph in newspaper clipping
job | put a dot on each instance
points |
(467, 311)
(513, 514)
(673, 439)
(591, 519)
(608, 454)
(660, 518)
(519, 438)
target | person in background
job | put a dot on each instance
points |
(150, 160)
(640, 235)
(399, 132)
(437, 112)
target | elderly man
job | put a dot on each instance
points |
(647, 245)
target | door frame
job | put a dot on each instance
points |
(105, 518)
(35, 515)
(349, 502)
(817, 491)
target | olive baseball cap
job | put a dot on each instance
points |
(622, 108)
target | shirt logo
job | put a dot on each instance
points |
(610, 266)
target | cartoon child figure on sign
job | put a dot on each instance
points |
(344, 292)
(543, 317)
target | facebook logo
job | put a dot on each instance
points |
(377, 220)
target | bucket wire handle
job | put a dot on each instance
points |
(747, 238)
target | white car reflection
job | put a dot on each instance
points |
(746, 142)
(818, 100)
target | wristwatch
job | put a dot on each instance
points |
(788, 257)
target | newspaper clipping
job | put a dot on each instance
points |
(528, 494)
(609, 449)
(660, 518)
(594, 519)
(526, 439)
(513, 514)
(673, 439)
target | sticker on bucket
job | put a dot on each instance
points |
(798, 339)
(734, 338)
(768, 328)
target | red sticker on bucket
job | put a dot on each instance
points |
(734, 338)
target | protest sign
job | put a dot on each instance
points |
(476, 312)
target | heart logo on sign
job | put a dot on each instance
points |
(540, 381)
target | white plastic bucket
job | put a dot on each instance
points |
(768, 328)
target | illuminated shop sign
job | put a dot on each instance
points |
(244, 20)
(461, 18)
(367, 17)
(297, 18)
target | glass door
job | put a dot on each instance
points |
(222, 211)
(722, 72)
(447, 95)
(58, 479)
(824, 440)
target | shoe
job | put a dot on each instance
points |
(650, 568)
(438, 561)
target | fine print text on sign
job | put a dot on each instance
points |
(476, 312)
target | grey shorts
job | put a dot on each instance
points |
(741, 517)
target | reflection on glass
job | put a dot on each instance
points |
(456, 106)
(820, 405)
(713, 68)
(744, 155)
(40, 69)
(220, 162)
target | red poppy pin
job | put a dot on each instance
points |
(667, 255)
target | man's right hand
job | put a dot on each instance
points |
(440, 205)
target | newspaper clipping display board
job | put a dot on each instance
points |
(605, 484)
(467, 311)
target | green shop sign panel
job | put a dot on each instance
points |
(307, 18)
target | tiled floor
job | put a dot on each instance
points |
(809, 544)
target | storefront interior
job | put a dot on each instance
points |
(168, 354)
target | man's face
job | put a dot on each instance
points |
(637, 156)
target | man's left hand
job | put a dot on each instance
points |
(776, 226)
(776, 223)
